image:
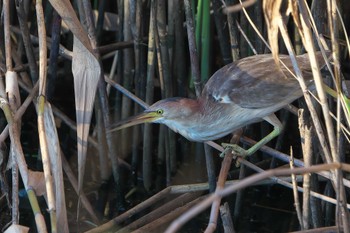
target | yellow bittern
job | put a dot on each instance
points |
(244, 92)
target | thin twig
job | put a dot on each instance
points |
(238, 7)
(246, 38)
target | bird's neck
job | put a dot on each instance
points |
(192, 106)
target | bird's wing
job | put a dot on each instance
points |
(256, 82)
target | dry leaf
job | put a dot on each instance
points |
(67, 13)
(110, 21)
(86, 70)
(272, 15)
(56, 168)
(14, 228)
(294, 10)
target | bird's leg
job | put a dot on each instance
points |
(273, 120)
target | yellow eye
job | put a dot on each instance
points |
(160, 111)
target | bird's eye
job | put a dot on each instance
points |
(160, 111)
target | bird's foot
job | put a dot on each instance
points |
(236, 150)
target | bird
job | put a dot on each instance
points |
(247, 91)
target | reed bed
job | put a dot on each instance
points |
(71, 69)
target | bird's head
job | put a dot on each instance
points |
(169, 111)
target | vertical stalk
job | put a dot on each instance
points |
(172, 5)
(198, 26)
(128, 66)
(41, 108)
(179, 63)
(205, 42)
(233, 32)
(243, 42)
(147, 135)
(259, 19)
(168, 80)
(193, 48)
(103, 100)
(179, 67)
(100, 19)
(295, 193)
(222, 31)
(9, 68)
(305, 135)
(197, 77)
(54, 52)
(335, 149)
(23, 169)
(163, 145)
(136, 27)
(26, 40)
(51, 202)
(7, 35)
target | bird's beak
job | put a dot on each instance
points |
(145, 117)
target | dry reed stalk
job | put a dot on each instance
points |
(29, 184)
(214, 214)
(233, 31)
(306, 143)
(51, 201)
(175, 225)
(66, 11)
(240, 196)
(226, 218)
(295, 192)
(193, 48)
(27, 41)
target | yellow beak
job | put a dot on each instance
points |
(145, 117)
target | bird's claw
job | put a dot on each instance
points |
(236, 150)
